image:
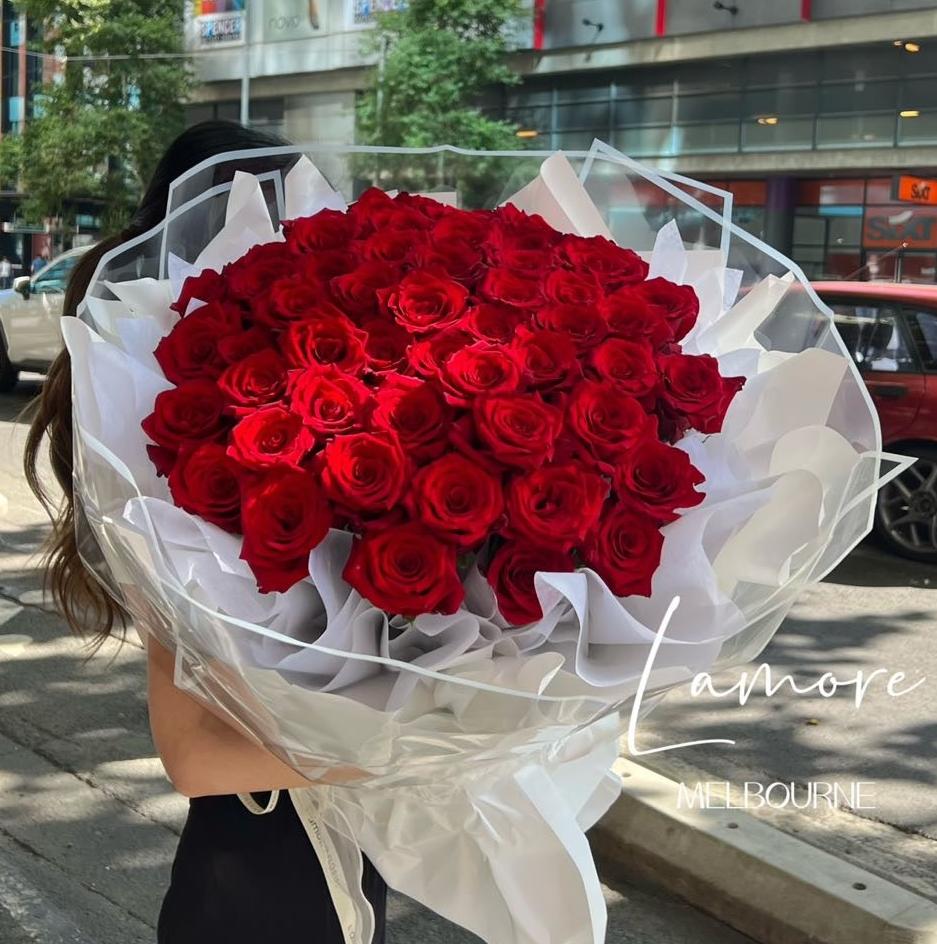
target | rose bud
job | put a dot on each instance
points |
(284, 516)
(190, 413)
(457, 500)
(610, 264)
(364, 472)
(329, 401)
(605, 421)
(548, 359)
(628, 365)
(518, 430)
(326, 230)
(692, 386)
(556, 505)
(405, 570)
(207, 482)
(511, 575)
(424, 302)
(582, 323)
(478, 369)
(658, 479)
(677, 304)
(564, 287)
(625, 551)
(270, 436)
(258, 379)
(324, 339)
(415, 412)
(190, 350)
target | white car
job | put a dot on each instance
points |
(29, 319)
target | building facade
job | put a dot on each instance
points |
(807, 110)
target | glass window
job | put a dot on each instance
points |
(648, 111)
(862, 63)
(809, 230)
(782, 102)
(594, 117)
(841, 265)
(873, 334)
(55, 278)
(644, 142)
(921, 129)
(787, 134)
(784, 69)
(529, 96)
(858, 97)
(856, 131)
(923, 326)
(583, 93)
(845, 230)
(706, 138)
(708, 107)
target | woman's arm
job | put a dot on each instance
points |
(203, 755)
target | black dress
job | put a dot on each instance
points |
(245, 879)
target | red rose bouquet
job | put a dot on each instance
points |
(394, 485)
(447, 385)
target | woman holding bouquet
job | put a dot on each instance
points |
(238, 876)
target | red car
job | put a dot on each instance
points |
(891, 330)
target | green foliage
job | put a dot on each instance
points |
(437, 58)
(100, 126)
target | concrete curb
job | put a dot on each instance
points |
(765, 883)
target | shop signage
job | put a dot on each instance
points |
(888, 227)
(914, 190)
(212, 23)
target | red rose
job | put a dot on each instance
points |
(480, 368)
(356, 292)
(528, 263)
(565, 287)
(324, 339)
(694, 388)
(511, 575)
(270, 436)
(207, 483)
(207, 286)
(658, 479)
(405, 570)
(677, 304)
(548, 358)
(629, 315)
(236, 347)
(607, 422)
(329, 401)
(254, 381)
(625, 552)
(582, 323)
(555, 505)
(365, 211)
(495, 323)
(470, 227)
(193, 412)
(364, 472)
(416, 413)
(425, 302)
(518, 430)
(610, 264)
(425, 206)
(460, 261)
(506, 287)
(428, 356)
(190, 350)
(393, 246)
(257, 269)
(385, 346)
(321, 267)
(284, 516)
(519, 230)
(629, 365)
(457, 500)
(327, 229)
(293, 299)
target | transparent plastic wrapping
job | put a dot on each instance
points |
(438, 742)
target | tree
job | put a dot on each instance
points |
(102, 120)
(437, 58)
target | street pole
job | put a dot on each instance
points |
(246, 74)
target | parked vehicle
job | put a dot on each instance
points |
(891, 330)
(29, 319)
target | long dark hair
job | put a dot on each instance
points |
(87, 607)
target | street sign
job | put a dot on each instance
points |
(914, 190)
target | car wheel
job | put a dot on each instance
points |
(906, 513)
(9, 374)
